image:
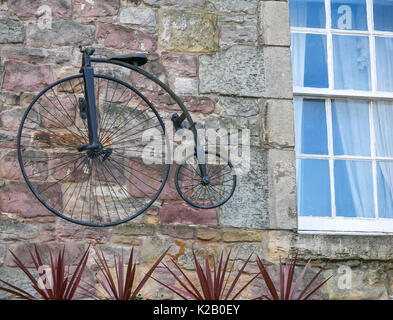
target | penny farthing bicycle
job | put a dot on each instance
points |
(94, 150)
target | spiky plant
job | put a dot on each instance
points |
(213, 284)
(55, 280)
(289, 290)
(123, 285)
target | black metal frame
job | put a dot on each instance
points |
(88, 111)
(86, 69)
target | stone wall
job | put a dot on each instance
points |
(229, 60)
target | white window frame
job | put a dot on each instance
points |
(334, 224)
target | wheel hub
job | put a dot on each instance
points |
(95, 151)
(206, 181)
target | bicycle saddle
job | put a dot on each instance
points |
(135, 59)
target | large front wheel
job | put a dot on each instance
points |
(101, 188)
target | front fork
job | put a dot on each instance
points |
(200, 152)
(91, 113)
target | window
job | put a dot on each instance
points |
(342, 60)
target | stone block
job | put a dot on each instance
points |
(343, 247)
(185, 86)
(281, 168)
(120, 37)
(278, 129)
(232, 6)
(232, 34)
(13, 230)
(239, 71)
(239, 235)
(3, 253)
(62, 33)
(69, 230)
(176, 3)
(17, 278)
(72, 255)
(19, 199)
(274, 18)
(95, 8)
(27, 9)
(182, 31)
(248, 207)
(11, 30)
(139, 16)
(238, 107)
(181, 212)
(181, 232)
(208, 234)
(368, 282)
(278, 72)
(134, 229)
(180, 64)
(37, 55)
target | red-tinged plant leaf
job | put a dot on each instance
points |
(287, 288)
(245, 286)
(77, 275)
(210, 281)
(121, 286)
(298, 281)
(17, 292)
(194, 291)
(235, 281)
(176, 290)
(268, 280)
(61, 286)
(317, 288)
(310, 283)
(148, 274)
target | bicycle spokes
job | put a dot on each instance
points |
(102, 184)
(205, 191)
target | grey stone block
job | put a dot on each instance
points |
(282, 189)
(3, 253)
(343, 247)
(274, 19)
(17, 278)
(278, 72)
(62, 33)
(231, 34)
(176, 3)
(11, 30)
(138, 15)
(238, 107)
(14, 230)
(248, 208)
(278, 128)
(238, 71)
(245, 6)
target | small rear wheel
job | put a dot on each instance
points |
(205, 193)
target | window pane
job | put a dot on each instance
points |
(385, 189)
(384, 59)
(309, 63)
(351, 62)
(383, 13)
(353, 188)
(383, 120)
(307, 13)
(349, 14)
(313, 187)
(351, 133)
(310, 126)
